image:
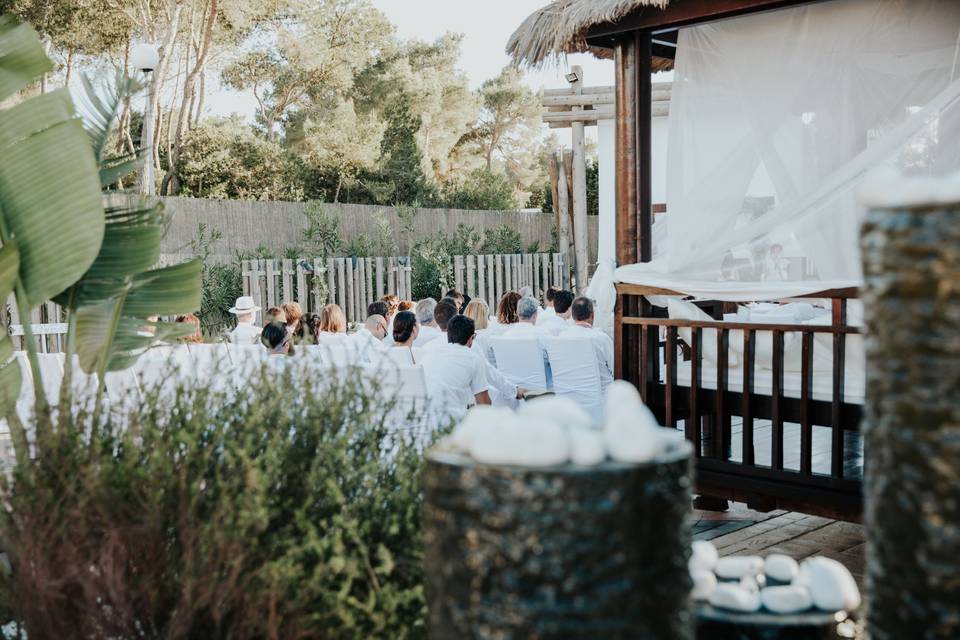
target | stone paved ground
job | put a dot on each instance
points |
(741, 531)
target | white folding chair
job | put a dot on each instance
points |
(520, 360)
(576, 372)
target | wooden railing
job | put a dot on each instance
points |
(754, 472)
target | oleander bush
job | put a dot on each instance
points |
(289, 510)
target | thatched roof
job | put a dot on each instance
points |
(561, 27)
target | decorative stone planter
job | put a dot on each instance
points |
(911, 258)
(558, 552)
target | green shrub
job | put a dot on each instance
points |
(287, 511)
(481, 189)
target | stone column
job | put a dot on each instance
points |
(558, 552)
(911, 258)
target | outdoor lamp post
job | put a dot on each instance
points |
(146, 58)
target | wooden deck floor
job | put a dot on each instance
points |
(741, 531)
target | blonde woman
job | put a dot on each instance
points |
(294, 315)
(479, 312)
(332, 323)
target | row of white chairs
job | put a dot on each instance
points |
(567, 366)
(228, 367)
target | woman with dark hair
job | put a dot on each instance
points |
(310, 324)
(507, 309)
(405, 331)
(276, 338)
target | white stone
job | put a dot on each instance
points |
(557, 410)
(478, 420)
(587, 447)
(516, 441)
(734, 597)
(780, 567)
(790, 598)
(830, 583)
(703, 556)
(750, 583)
(631, 433)
(735, 567)
(704, 583)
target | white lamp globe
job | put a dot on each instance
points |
(144, 57)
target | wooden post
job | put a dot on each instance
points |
(563, 188)
(554, 172)
(579, 190)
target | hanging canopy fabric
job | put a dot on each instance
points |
(776, 120)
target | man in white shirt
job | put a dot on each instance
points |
(455, 372)
(443, 312)
(246, 332)
(428, 328)
(582, 313)
(548, 296)
(368, 339)
(559, 320)
(527, 310)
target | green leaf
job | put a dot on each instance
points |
(9, 367)
(165, 291)
(22, 59)
(49, 194)
(99, 113)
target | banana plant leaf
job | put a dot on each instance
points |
(9, 367)
(22, 59)
(100, 111)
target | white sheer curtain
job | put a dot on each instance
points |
(775, 121)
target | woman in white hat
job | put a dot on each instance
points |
(246, 332)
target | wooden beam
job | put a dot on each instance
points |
(644, 105)
(580, 116)
(682, 13)
(584, 100)
(563, 209)
(657, 86)
(625, 55)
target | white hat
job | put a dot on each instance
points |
(244, 304)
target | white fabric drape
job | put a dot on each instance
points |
(775, 121)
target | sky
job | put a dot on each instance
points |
(486, 27)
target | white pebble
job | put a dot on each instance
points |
(556, 410)
(515, 442)
(587, 448)
(830, 583)
(703, 556)
(704, 583)
(780, 567)
(789, 598)
(735, 567)
(734, 597)
(478, 420)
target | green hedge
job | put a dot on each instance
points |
(287, 511)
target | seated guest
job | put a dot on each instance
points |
(507, 311)
(246, 332)
(405, 332)
(276, 339)
(378, 308)
(548, 302)
(582, 314)
(454, 370)
(274, 314)
(527, 309)
(479, 312)
(310, 323)
(369, 338)
(405, 305)
(428, 327)
(457, 297)
(197, 336)
(294, 315)
(330, 324)
(560, 318)
(393, 305)
(445, 310)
